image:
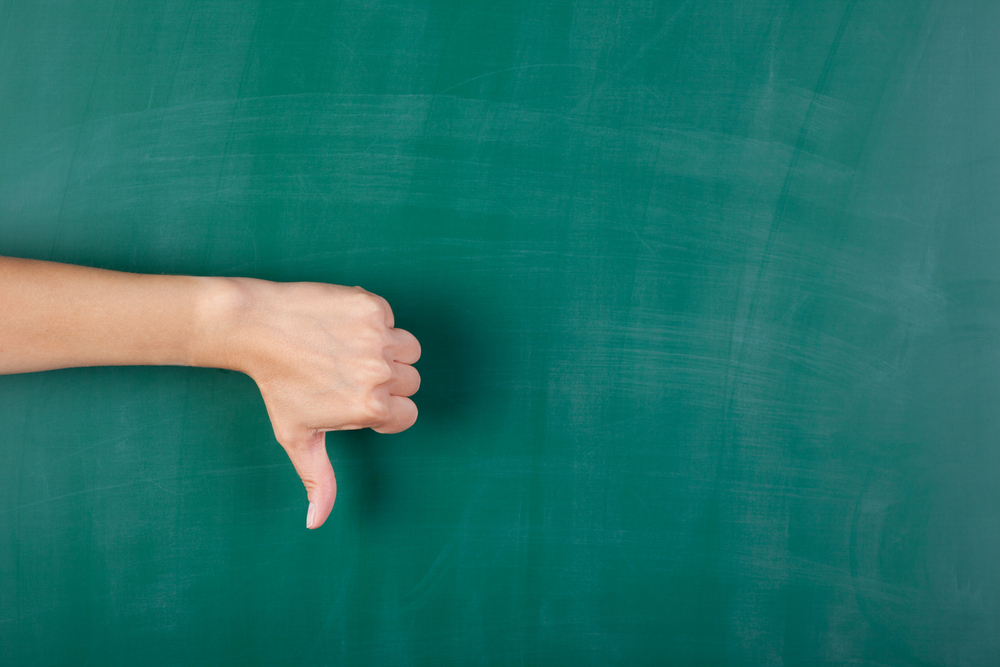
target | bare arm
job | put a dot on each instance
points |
(325, 357)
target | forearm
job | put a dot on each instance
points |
(59, 316)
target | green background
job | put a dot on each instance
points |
(709, 299)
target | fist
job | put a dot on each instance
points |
(326, 358)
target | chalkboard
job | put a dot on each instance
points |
(709, 299)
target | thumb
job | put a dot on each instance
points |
(311, 461)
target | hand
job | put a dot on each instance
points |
(326, 358)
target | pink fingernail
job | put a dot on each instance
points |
(310, 515)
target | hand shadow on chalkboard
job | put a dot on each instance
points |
(460, 350)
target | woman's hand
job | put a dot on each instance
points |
(326, 358)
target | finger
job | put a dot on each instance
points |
(405, 381)
(313, 465)
(403, 413)
(407, 347)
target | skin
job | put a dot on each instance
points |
(325, 357)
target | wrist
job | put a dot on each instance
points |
(223, 306)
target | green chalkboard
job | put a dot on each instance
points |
(709, 299)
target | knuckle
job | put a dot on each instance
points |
(367, 305)
(314, 483)
(381, 372)
(371, 409)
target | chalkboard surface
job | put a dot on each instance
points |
(709, 299)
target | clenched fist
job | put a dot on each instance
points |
(326, 358)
